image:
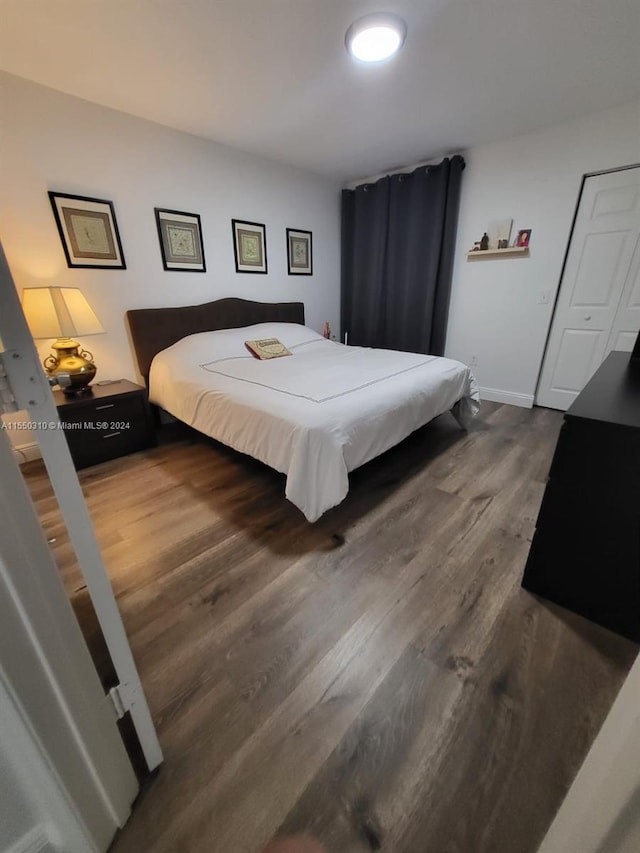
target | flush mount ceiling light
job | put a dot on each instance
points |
(375, 38)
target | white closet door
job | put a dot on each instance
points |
(598, 307)
(627, 320)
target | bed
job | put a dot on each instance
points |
(314, 415)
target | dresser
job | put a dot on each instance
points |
(111, 421)
(585, 553)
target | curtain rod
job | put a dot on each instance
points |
(399, 170)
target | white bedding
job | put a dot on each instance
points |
(314, 415)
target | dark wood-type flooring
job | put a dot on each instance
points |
(378, 679)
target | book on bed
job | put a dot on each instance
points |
(267, 348)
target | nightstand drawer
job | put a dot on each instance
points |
(89, 446)
(107, 425)
(106, 413)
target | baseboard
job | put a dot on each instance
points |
(34, 841)
(27, 452)
(510, 397)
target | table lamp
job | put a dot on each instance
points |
(63, 313)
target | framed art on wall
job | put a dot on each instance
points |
(88, 231)
(249, 246)
(181, 243)
(299, 252)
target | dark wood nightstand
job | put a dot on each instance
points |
(111, 421)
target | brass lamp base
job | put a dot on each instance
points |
(75, 363)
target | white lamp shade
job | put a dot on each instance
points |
(59, 312)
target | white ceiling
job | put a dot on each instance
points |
(273, 77)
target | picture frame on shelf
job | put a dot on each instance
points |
(88, 231)
(523, 238)
(299, 252)
(180, 236)
(499, 232)
(249, 246)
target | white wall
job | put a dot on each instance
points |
(52, 141)
(601, 812)
(495, 312)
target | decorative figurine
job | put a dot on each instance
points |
(484, 243)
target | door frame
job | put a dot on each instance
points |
(50, 687)
(600, 810)
(30, 388)
(585, 176)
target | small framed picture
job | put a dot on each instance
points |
(249, 246)
(88, 231)
(299, 252)
(523, 238)
(180, 237)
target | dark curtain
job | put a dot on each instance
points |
(398, 238)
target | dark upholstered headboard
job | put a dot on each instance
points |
(155, 329)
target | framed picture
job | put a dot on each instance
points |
(88, 231)
(522, 240)
(499, 232)
(299, 252)
(249, 246)
(180, 240)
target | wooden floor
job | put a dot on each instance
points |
(378, 679)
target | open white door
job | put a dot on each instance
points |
(67, 783)
(598, 307)
(29, 387)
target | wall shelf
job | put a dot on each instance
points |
(492, 253)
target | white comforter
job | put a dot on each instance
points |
(314, 415)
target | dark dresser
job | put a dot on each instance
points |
(111, 421)
(585, 553)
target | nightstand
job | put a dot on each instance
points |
(111, 421)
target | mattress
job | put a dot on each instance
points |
(314, 415)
